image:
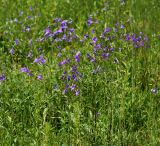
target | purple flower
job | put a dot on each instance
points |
(117, 24)
(128, 37)
(138, 38)
(93, 31)
(16, 41)
(64, 24)
(65, 72)
(69, 60)
(89, 21)
(64, 91)
(59, 30)
(102, 36)
(47, 32)
(94, 40)
(39, 77)
(76, 92)
(75, 78)
(111, 49)
(141, 33)
(134, 39)
(57, 20)
(11, 51)
(2, 78)
(72, 87)
(98, 46)
(77, 56)
(63, 62)
(141, 43)
(105, 55)
(86, 36)
(29, 17)
(115, 29)
(30, 74)
(74, 68)
(71, 30)
(69, 78)
(64, 37)
(107, 30)
(59, 54)
(40, 60)
(136, 46)
(146, 39)
(25, 70)
(81, 41)
(122, 26)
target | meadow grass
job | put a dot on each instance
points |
(79, 72)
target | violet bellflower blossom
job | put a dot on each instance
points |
(146, 39)
(122, 26)
(16, 41)
(39, 77)
(58, 32)
(40, 60)
(2, 77)
(47, 32)
(77, 92)
(111, 49)
(105, 55)
(64, 25)
(77, 56)
(64, 91)
(72, 87)
(86, 36)
(94, 40)
(141, 43)
(71, 30)
(107, 30)
(11, 51)
(89, 21)
(25, 70)
(56, 20)
(63, 62)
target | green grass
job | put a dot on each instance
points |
(115, 106)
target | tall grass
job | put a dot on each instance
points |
(118, 103)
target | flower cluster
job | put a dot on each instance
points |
(139, 41)
(60, 38)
